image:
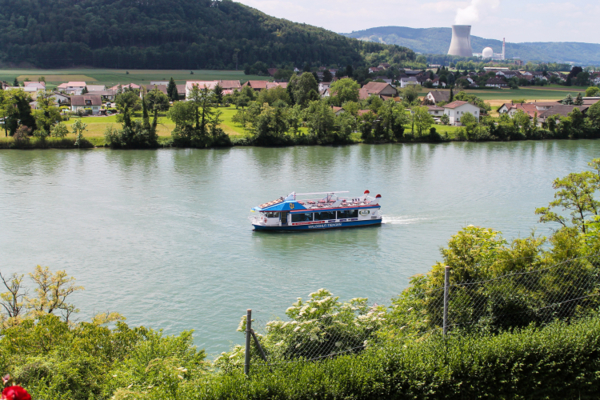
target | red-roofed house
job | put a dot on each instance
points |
(457, 109)
(72, 87)
(378, 89)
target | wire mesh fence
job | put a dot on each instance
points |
(322, 327)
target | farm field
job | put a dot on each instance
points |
(112, 77)
(531, 93)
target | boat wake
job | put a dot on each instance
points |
(390, 220)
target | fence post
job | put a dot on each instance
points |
(248, 338)
(446, 290)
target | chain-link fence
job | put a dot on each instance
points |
(323, 327)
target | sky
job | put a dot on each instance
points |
(517, 20)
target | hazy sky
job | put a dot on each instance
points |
(517, 20)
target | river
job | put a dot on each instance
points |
(163, 236)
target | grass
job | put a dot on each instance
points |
(111, 77)
(530, 93)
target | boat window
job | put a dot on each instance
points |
(271, 214)
(324, 215)
(347, 214)
(302, 217)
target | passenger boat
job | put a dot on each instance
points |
(328, 212)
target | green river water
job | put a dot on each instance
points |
(163, 236)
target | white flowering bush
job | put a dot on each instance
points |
(317, 328)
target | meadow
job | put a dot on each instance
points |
(112, 77)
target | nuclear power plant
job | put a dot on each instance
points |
(461, 41)
(461, 45)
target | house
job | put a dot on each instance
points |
(595, 78)
(561, 110)
(325, 93)
(230, 85)
(92, 102)
(383, 66)
(123, 87)
(512, 109)
(60, 99)
(590, 101)
(166, 83)
(411, 80)
(95, 88)
(496, 82)
(75, 88)
(262, 85)
(4, 85)
(324, 85)
(272, 71)
(378, 89)
(435, 111)
(107, 94)
(189, 85)
(32, 91)
(435, 97)
(373, 70)
(35, 85)
(457, 109)
(437, 83)
(161, 88)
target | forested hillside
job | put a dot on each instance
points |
(166, 34)
(437, 41)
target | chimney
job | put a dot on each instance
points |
(504, 49)
(461, 41)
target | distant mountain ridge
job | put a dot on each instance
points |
(437, 41)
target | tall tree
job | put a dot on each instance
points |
(172, 90)
(344, 90)
(218, 94)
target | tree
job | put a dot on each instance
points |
(410, 94)
(78, 128)
(422, 119)
(392, 118)
(202, 100)
(218, 94)
(568, 101)
(172, 90)
(85, 90)
(304, 88)
(470, 123)
(16, 83)
(59, 130)
(592, 91)
(321, 121)
(183, 115)
(157, 100)
(582, 79)
(270, 127)
(271, 96)
(327, 77)
(593, 115)
(344, 90)
(578, 100)
(349, 71)
(127, 103)
(575, 194)
(445, 119)
(47, 114)
(20, 113)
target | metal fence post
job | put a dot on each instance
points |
(248, 338)
(446, 290)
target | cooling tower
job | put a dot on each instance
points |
(461, 41)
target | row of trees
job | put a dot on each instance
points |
(298, 114)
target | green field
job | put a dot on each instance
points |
(111, 77)
(530, 93)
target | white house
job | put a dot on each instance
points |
(92, 102)
(60, 98)
(435, 111)
(457, 109)
(323, 86)
(411, 80)
(75, 88)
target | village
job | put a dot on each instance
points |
(434, 88)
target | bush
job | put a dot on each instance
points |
(21, 137)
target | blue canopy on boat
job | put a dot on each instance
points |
(286, 206)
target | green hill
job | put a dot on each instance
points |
(437, 41)
(165, 34)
